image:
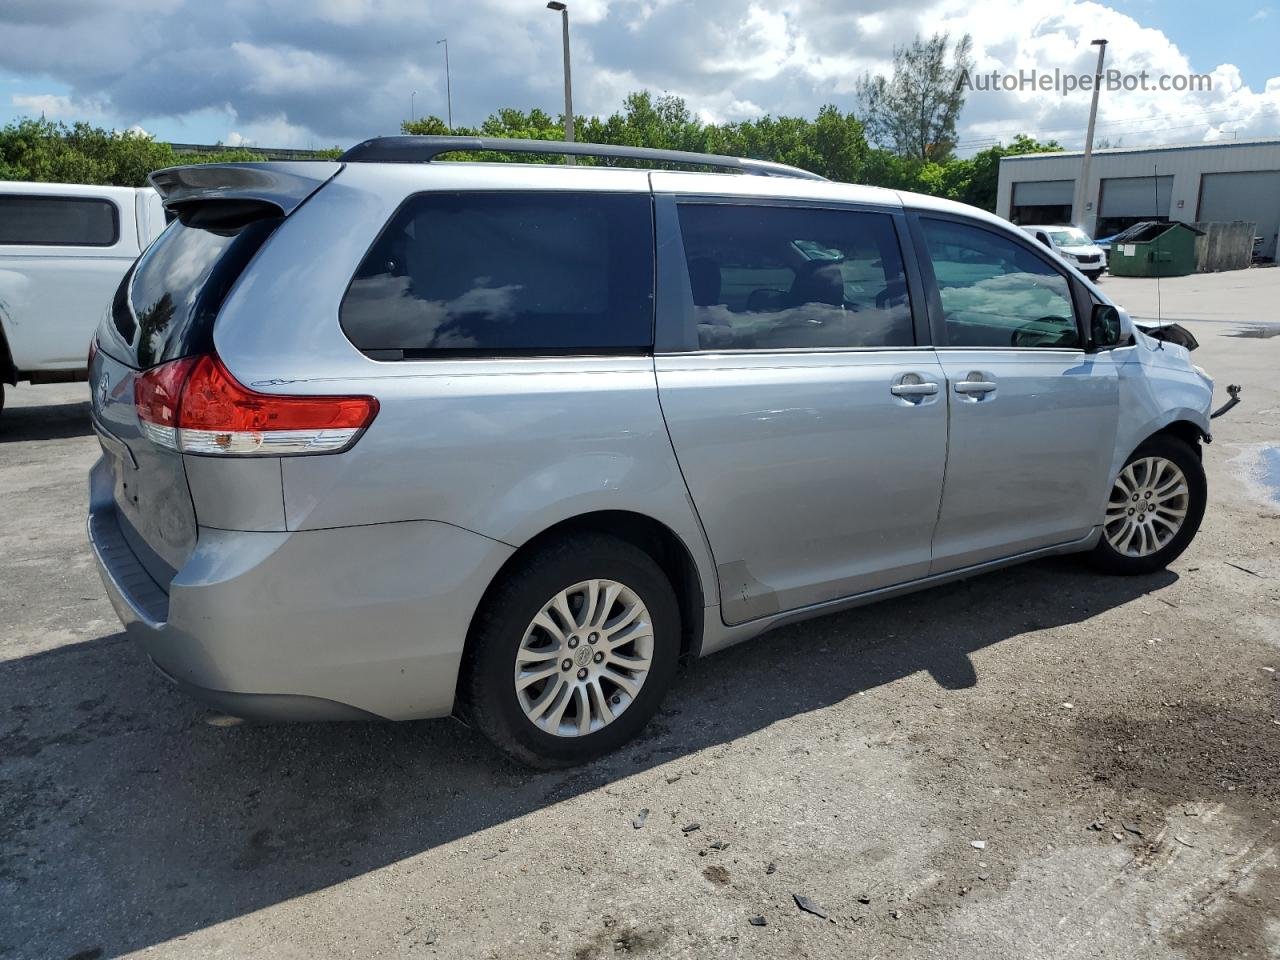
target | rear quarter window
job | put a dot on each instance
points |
(167, 303)
(465, 274)
(58, 221)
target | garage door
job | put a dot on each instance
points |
(1136, 197)
(1254, 195)
(1043, 193)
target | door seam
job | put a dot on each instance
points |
(693, 506)
(946, 462)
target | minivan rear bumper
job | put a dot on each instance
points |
(334, 624)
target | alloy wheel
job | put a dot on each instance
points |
(584, 658)
(1147, 508)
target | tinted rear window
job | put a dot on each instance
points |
(166, 305)
(484, 273)
(58, 221)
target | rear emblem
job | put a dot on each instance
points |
(104, 386)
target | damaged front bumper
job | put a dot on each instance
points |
(1233, 391)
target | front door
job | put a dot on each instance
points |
(1033, 417)
(810, 427)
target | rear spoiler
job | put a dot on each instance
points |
(231, 194)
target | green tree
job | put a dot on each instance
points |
(833, 144)
(46, 151)
(914, 111)
(985, 175)
(52, 152)
(429, 126)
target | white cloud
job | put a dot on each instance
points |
(282, 70)
(273, 132)
(55, 106)
(1025, 37)
(335, 71)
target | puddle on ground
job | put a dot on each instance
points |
(1257, 331)
(1258, 467)
(1269, 474)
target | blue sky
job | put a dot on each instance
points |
(1243, 32)
(324, 72)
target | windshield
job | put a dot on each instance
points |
(1069, 237)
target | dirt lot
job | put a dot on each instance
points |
(1037, 763)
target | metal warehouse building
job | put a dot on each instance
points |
(1192, 183)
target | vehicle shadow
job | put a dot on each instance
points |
(51, 422)
(127, 820)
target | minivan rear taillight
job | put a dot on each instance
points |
(194, 405)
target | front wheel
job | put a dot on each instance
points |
(1155, 508)
(572, 653)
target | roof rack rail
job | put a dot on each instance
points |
(408, 149)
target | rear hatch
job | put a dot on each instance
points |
(165, 310)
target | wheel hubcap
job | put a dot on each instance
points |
(1147, 508)
(569, 688)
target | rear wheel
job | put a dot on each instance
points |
(1155, 508)
(573, 652)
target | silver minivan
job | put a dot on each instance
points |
(391, 437)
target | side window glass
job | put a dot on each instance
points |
(995, 292)
(768, 277)
(468, 274)
(58, 221)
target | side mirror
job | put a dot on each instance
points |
(1106, 327)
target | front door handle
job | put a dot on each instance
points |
(975, 386)
(914, 389)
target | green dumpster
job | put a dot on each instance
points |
(1153, 249)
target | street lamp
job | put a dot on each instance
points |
(412, 115)
(568, 83)
(448, 83)
(1082, 184)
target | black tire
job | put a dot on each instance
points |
(487, 686)
(1108, 559)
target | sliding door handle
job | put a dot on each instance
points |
(971, 387)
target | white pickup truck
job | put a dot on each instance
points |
(63, 251)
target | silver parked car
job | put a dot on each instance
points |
(393, 437)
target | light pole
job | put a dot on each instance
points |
(448, 83)
(412, 116)
(568, 83)
(1078, 216)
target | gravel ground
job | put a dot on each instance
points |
(1036, 763)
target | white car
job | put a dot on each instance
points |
(1073, 245)
(63, 250)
